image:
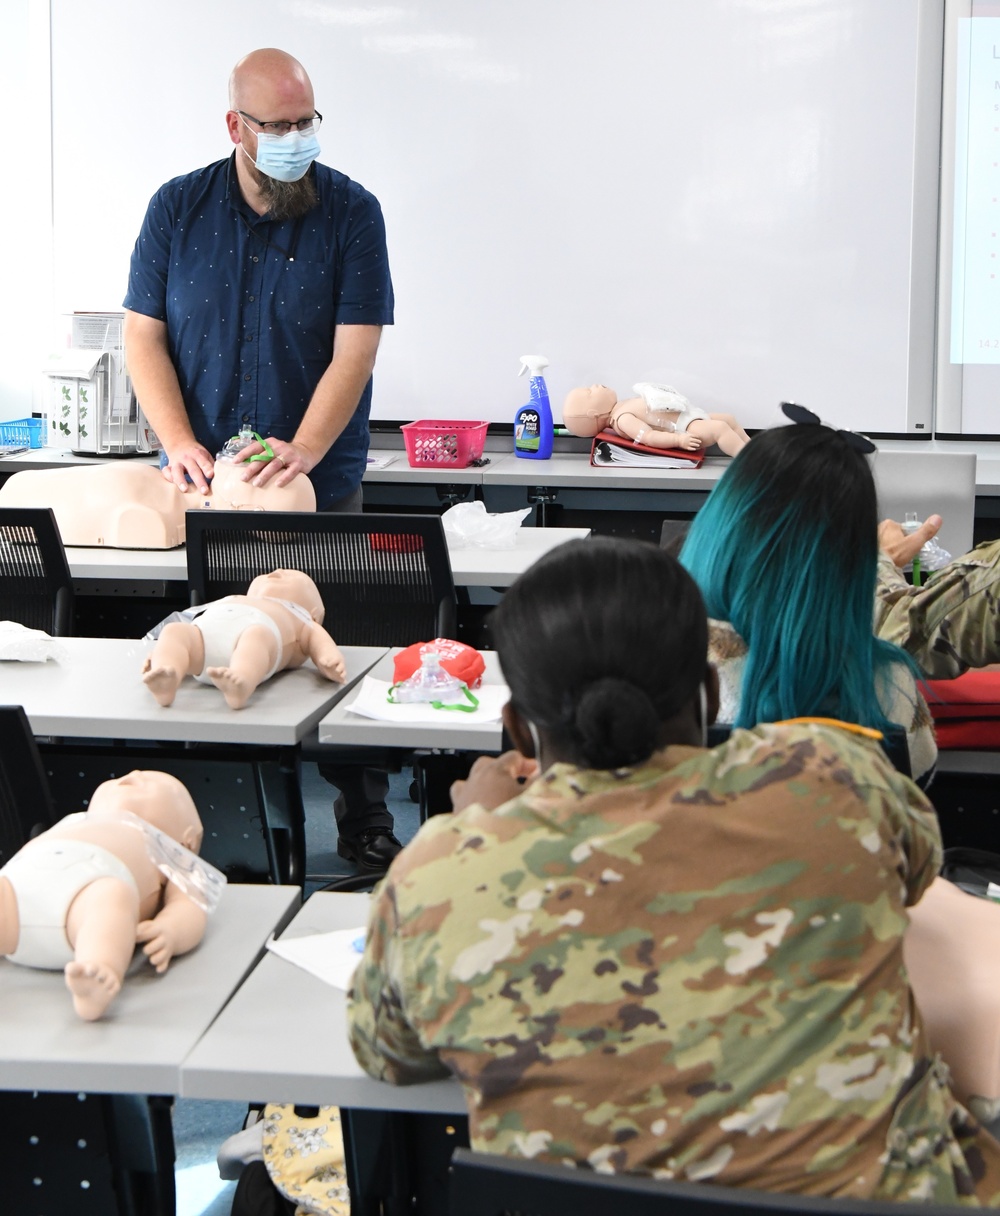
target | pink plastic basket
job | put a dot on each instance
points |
(433, 442)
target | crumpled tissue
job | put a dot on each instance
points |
(25, 645)
(469, 523)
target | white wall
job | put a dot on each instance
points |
(735, 196)
(26, 309)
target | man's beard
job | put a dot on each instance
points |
(287, 200)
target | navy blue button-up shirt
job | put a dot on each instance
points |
(251, 304)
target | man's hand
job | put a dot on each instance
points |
(493, 780)
(190, 460)
(895, 543)
(288, 460)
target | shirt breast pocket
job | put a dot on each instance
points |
(303, 300)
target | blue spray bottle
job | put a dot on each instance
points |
(533, 422)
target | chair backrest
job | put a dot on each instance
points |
(36, 587)
(25, 801)
(384, 579)
(486, 1184)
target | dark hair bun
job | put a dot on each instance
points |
(616, 724)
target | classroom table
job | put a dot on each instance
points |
(155, 1021)
(450, 731)
(96, 570)
(96, 692)
(283, 1036)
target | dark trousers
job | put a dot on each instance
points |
(362, 790)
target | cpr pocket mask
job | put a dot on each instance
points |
(200, 881)
(460, 660)
(434, 681)
(232, 448)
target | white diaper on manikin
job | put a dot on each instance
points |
(221, 625)
(47, 875)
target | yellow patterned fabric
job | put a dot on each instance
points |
(305, 1159)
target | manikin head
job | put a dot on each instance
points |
(158, 798)
(231, 493)
(290, 585)
(269, 86)
(587, 411)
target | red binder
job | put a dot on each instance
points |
(610, 439)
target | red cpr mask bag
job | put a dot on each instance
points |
(463, 662)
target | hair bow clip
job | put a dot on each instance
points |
(802, 416)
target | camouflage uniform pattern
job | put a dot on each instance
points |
(900, 699)
(691, 968)
(950, 623)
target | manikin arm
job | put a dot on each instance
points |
(159, 393)
(632, 427)
(323, 651)
(902, 547)
(177, 928)
(333, 403)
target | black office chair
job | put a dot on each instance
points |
(385, 579)
(105, 1154)
(36, 588)
(25, 801)
(487, 1184)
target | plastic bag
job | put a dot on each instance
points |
(469, 523)
(200, 881)
(25, 645)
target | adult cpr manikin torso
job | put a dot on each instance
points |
(133, 506)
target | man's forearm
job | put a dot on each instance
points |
(155, 379)
(339, 390)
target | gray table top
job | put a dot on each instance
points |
(154, 1022)
(96, 692)
(450, 730)
(574, 470)
(283, 1036)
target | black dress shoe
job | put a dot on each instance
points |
(372, 849)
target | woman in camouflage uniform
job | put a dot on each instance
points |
(639, 954)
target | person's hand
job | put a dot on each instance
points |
(189, 460)
(159, 947)
(688, 442)
(903, 548)
(288, 460)
(493, 780)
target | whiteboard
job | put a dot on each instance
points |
(735, 197)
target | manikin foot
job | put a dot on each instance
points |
(162, 682)
(236, 689)
(94, 986)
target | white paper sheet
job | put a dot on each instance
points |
(331, 957)
(371, 702)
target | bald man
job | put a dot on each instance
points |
(258, 289)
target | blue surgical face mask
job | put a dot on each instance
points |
(286, 158)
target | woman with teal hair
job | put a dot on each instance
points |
(785, 552)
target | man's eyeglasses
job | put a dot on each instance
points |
(799, 414)
(282, 128)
